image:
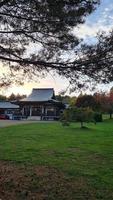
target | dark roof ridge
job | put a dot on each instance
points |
(43, 89)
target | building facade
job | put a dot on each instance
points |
(9, 109)
(41, 104)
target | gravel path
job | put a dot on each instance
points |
(5, 123)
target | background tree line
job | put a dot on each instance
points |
(12, 97)
(87, 108)
(98, 102)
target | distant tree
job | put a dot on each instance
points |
(12, 97)
(73, 100)
(86, 101)
(3, 98)
(105, 102)
(17, 97)
(65, 99)
(59, 97)
(110, 102)
(107, 105)
(98, 98)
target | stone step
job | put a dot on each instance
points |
(34, 118)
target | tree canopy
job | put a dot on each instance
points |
(86, 101)
(74, 114)
(49, 26)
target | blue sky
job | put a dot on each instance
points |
(99, 20)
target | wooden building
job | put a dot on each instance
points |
(41, 104)
(9, 109)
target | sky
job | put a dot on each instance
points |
(99, 20)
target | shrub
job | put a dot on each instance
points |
(78, 114)
(98, 117)
(65, 123)
(64, 118)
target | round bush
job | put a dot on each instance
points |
(98, 117)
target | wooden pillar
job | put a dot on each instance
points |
(54, 110)
(23, 113)
(46, 110)
(30, 111)
(42, 110)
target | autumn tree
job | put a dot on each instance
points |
(85, 101)
(108, 104)
(105, 100)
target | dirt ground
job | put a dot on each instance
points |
(5, 123)
(20, 182)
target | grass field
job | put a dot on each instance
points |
(52, 162)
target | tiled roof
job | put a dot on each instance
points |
(40, 95)
(8, 105)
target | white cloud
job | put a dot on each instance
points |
(87, 30)
(101, 20)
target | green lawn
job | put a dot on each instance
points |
(85, 154)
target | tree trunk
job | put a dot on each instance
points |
(81, 124)
(110, 115)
